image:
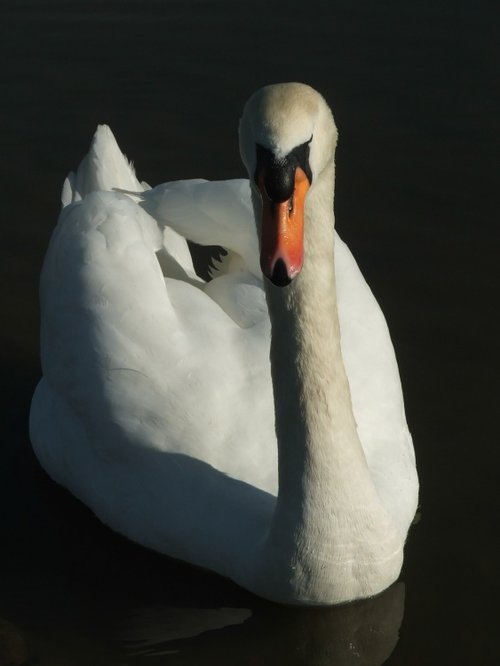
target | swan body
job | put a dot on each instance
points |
(252, 429)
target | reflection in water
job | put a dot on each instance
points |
(362, 633)
(148, 629)
(365, 632)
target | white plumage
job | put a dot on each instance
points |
(156, 407)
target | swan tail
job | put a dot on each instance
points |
(104, 168)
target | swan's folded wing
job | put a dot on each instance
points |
(208, 213)
(140, 361)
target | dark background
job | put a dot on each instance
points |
(415, 93)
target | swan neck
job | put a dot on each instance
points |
(318, 444)
(327, 504)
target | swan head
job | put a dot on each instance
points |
(287, 139)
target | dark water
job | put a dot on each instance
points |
(414, 94)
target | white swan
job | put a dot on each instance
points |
(156, 407)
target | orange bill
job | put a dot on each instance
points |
(282, 248)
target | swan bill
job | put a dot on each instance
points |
(282, 243)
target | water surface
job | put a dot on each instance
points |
(412, 89)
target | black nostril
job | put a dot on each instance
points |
(280, 275)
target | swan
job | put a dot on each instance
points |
(254, 424)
